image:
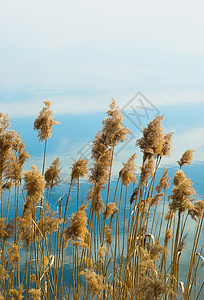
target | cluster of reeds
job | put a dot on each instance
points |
(121, 245)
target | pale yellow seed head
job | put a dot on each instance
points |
(35, 294)
(186, 158)
(127, 173)
(44, 122)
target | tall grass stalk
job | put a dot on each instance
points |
(124, 245)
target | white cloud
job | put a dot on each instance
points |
(74, 104)
(106, 45)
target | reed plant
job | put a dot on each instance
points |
(122, 245)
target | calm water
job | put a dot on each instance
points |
(72, 139)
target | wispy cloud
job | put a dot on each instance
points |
(89, 52)
(64, 102)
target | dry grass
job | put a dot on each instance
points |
(113, 252)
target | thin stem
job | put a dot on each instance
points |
(45, 148)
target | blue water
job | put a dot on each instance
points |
(72, 139)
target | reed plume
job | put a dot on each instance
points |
(154, 141)
(35, 294)
(26, 228)
(34, 185)
(181, 193)
(77, 229)
(147, 170)
(95, 281)
(16, 159)
(186, 158)
(101, 155)
(113, 127)
(108, 235)
(196, 210)
(164, 182)
(156, 250)
(7, 230)
(127, 173)
(102, 251)
(89, 262)
(110, 258)
(166, 149)
(153, 138)
(168, 236)
(4, 274)
(49, 223)
(156, 199)
(44, 122)
(17, 295)
(52, 177)
(112, 133)
(13, 254)
(110, 210)
(3, 232)
(6, 141)
(79, 169)
(152, 288)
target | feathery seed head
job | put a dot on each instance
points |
(127, 173)
(166, 149)
(154, 141)
(95, 281)
(88, 262)
(77, 229)
(102, 251)
(181, 193)
(52, 174)
(168, 236)
(13, 254)
(34, 184)
(17, 295)
(3, 274)
(108, 235)
(196, 211)
(164, 182)
(179, 177)
(33, 278)
(186, 158)
(35, 294)
(7, 185)
(48, 224)
(152, 288)
(44, 122)
(7, 230)
(153, 137)
(147, 170)
(26, 230)
(156, 199)
(110, 210)
(79, 169)
(156, 250)
(182, 243)
(16, 159)
(6, 141)
(113, 127)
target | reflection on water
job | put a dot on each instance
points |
(72, 139)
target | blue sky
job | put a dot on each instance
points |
(80, 54)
